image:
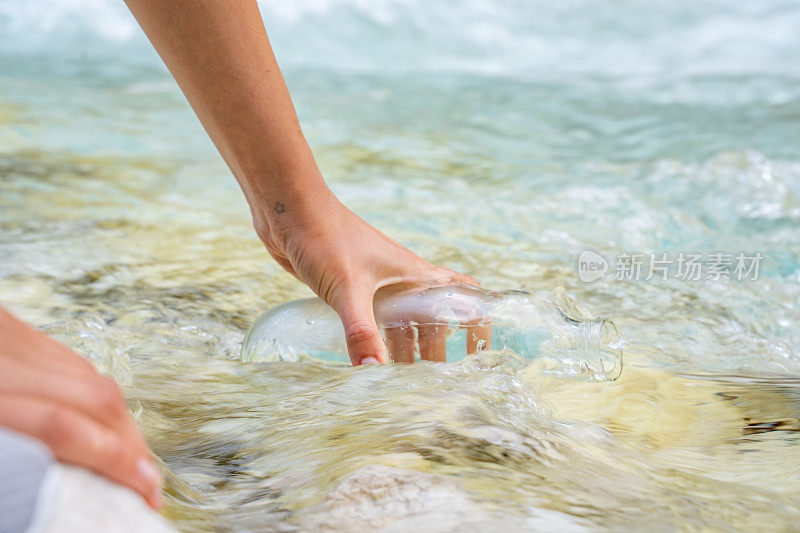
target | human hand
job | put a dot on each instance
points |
(253, 124)
(345, 261)
(56, 396)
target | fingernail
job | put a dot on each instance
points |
(149, 473)
(156, 497)
(369, 361)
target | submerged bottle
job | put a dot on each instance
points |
(447, 324)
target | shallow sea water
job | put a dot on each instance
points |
(501, 140)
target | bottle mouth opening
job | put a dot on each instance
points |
(609, 349)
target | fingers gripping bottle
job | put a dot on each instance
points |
(450, 323)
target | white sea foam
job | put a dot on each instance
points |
(514, 39)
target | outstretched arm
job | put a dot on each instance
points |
(219, 53)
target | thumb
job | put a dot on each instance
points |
(360, 329)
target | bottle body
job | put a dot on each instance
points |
(447, 324)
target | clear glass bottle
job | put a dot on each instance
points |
(447, 324)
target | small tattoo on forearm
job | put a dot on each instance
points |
(279, 208)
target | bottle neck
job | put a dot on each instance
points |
(601, 344)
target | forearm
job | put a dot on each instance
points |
(219, 53)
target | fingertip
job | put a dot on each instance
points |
(364, 341)
(363, 337)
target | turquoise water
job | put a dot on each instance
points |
(500, 139)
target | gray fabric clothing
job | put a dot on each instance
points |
(23, 464)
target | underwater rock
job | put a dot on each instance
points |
(394, 499)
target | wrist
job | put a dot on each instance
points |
(288, 203)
